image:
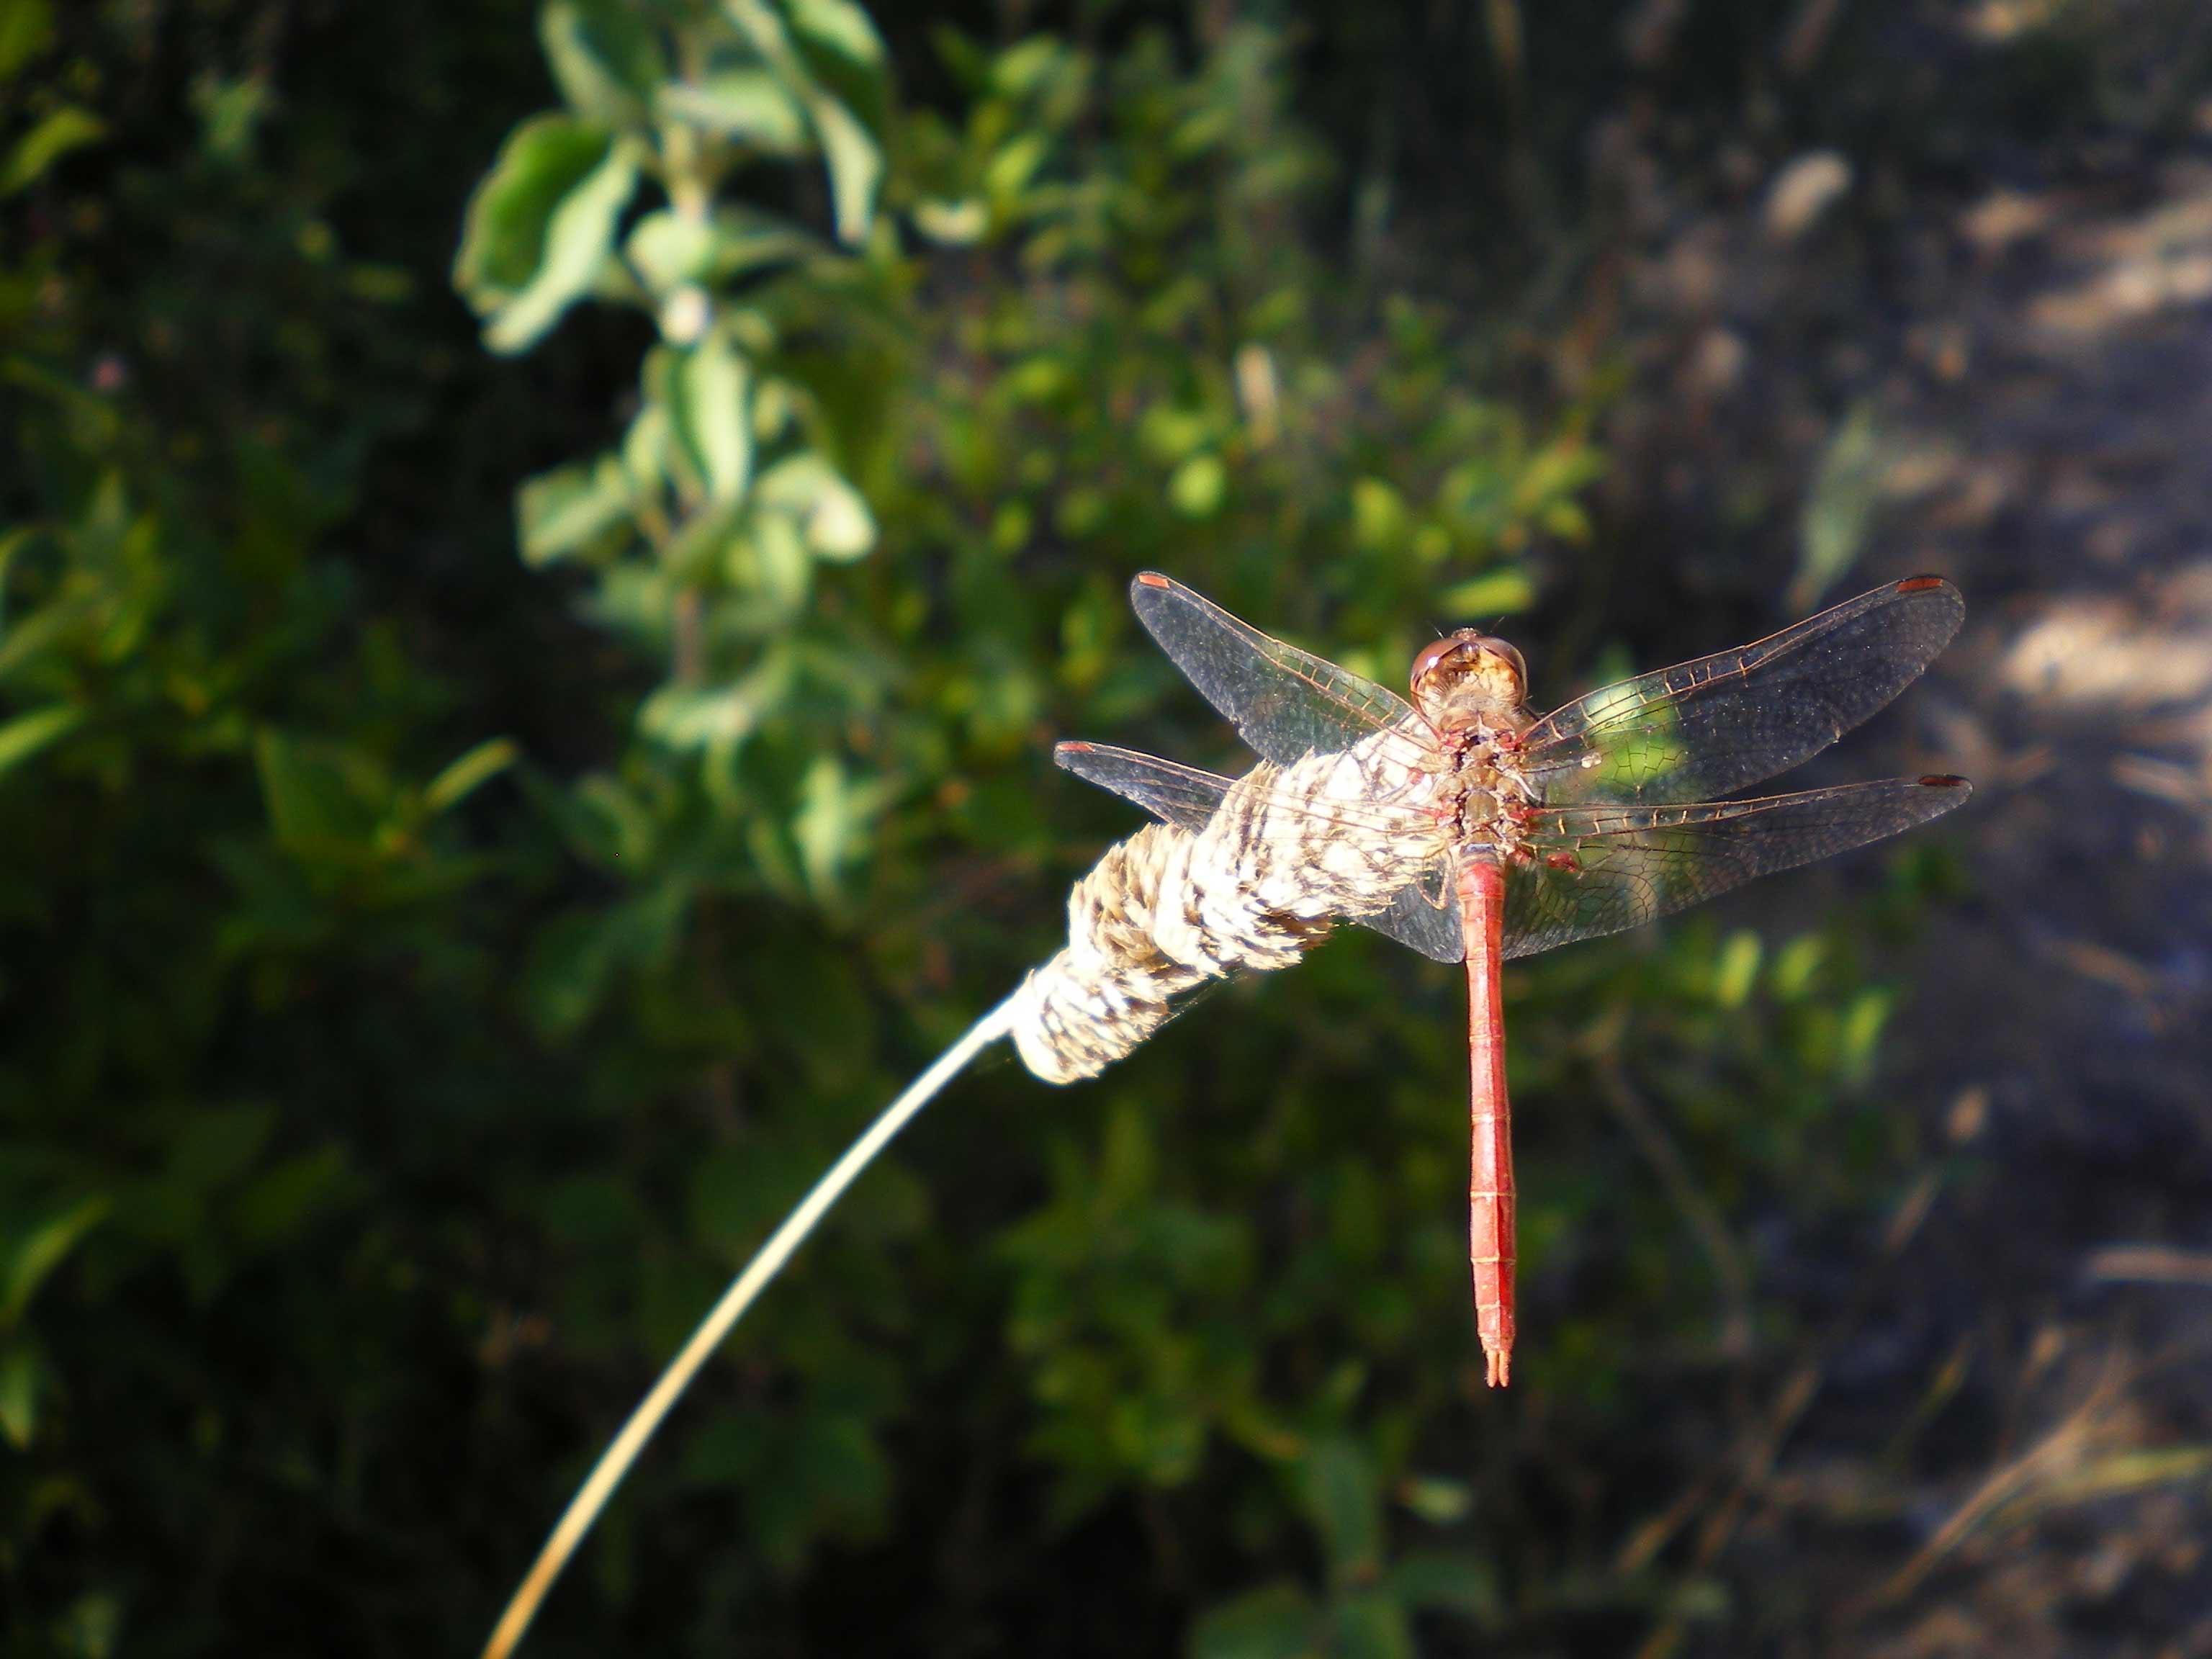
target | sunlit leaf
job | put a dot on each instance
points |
(1499, 592)
(952, 223)
(768, 564)
(26, 734)
(34, 1255)
(569, 509)
(1839, 512)
(747, 240)
(1378, 514)
(18, 1393)
(688, 717)
(856, 166)
(749, 104)
(66, 129)
(1737, 970)
(668, 248)
(1195, 488)
(832, 514)
(604, 57)
(714, 417)
(1436, 1500)
(503, 238)
(579, 238)
(464, 776)
(854, 159)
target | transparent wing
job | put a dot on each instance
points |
(1422, 915)
(1425, 917)
(1599, 870)
(1169, 790)
(1714, 725)
(1284, 702)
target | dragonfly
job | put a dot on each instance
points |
(1538, 830)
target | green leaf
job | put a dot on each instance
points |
(26, 27)
(1436, 1500)
(569, 509)
(952, 223)
(746, 239)
(278, 1202)
(579, 240)
(1448, 1581)
(1737, 968)
(1494, 594)
(1559, 469)
(715, 415)
(831, 513)
(503, 237)
(322, 798)
(18, 1394)
(32, 1258)
(645, 451)
(856, 166)
(463, 776)
(833, 820)
(1378, 515)
(840, 45)
(1015, 164)
(854, 159)
(1197, 486)
(684, 717)
(26, 734)
(1840, 513)
(668, 248)
(216, 1144)
(1277, 1621)
(1370, 1625)
(839, 28)
(602, 59)
(67, 129)
(1338, 1488)
(750, 104)
(233, 111)
(770, 566)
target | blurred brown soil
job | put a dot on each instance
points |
(2010, 1451)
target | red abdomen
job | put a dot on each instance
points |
(1490, 1184)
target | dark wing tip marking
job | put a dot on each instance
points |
(1921, 584)
(1947, 781)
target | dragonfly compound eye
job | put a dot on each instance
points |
(1425, 663)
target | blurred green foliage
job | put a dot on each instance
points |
(430, 971)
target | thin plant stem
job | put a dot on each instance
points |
(614, 1463)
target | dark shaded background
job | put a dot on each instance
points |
(361, 1154)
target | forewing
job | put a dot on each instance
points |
(1721, 723)
(1422, 915)
(1599, 870)
(1284, 702)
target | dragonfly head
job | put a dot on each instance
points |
(1470, 674)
